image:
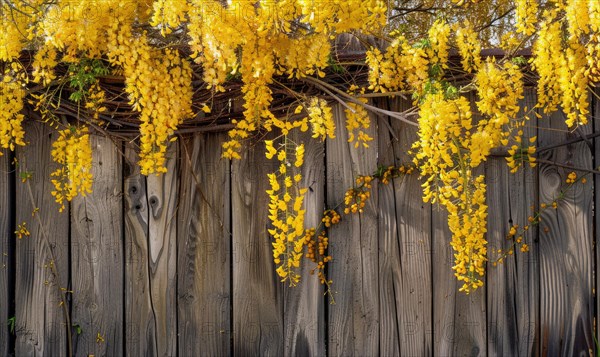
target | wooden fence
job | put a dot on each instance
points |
(181, 264)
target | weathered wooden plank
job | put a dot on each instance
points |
(97, 256)
(257, 296)
(304, 310)
(459, 319)
(405, 248)
(162, 237)
(595, 111)
(204, 249)
(444, 285)
(566, 255)
(41, 259)
(7, 242)
(513, 285)
(140, 324)
(150, 236)
(354, 320)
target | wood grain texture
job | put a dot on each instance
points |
(354, 320)
(566, 253)
(258, 326)
(140, 324)
(513, 285)
(405, 291)
(40, 320)
(204, 249)
(595, 110)
(162, 237)
(150, 236)
(444, 285)
(7, 241)
(97, 256)
(459, 320)
(304, 310)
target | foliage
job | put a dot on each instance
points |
(157, 47)
(11, 324)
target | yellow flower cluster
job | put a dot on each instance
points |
(159, 84)
(316, 248)
(578, 16)
(330, 217)
(356, 198)
(168, 14)
(469, 47)
(520, 155)
(95, 101)
(567, 62)
(259, 40)
(73, 153)
(407, 67)
(387, 174)
(593, 53)
(438, 38)
(444, 159)
(526, 16)
(499, 88)
(386, 71)
(547, 62)
(12, 93)
(316, 253)
(321, 119)
(43, 65)
(285, 209)
(22, 230)
(13, 26)
(357, 121)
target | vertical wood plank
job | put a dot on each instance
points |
(162, 258)
(354, 320)
(257, 292)
(566, 255)
(513, 285)
(304, 310)
(40, 320)
(405, 248)
(97, 256)
(139, 326)
(204, 249)
(444, 285)
(150, 236)
(7, 241)
(595, 111)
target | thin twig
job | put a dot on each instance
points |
(326, 87)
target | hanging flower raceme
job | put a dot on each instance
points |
(159, 84)
(321, 119)
(72, 151)
(12, 94)
(443, 158)
(563, 63)
(468, 47)
(526, 16)
(286, 211)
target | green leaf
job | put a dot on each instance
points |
(76, 96)
(78, 329)
(11, 323)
